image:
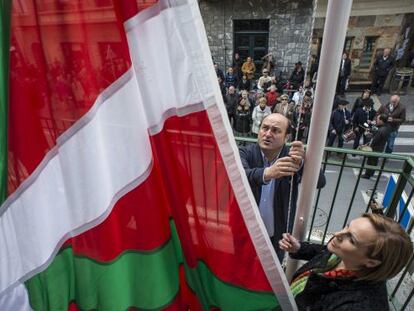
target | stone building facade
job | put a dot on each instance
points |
(288, 31)
(373, 26)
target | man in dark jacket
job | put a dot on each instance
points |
(269, 165)
(230, 100)
(379, 139)
(344, 73)
(340, 121)
(396, 116)
(382, 67)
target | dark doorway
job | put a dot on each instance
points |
(251, 38)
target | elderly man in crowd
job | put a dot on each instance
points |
(269, 166)
(264, 81)
(382, 66)
(396, 116)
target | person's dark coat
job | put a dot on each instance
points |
(231, 101)
(361, 116)
(383, 66)
(230, 80)
(337, 122)
(244, 85)
(242, 120)
(296, 78)
(347, 68)
(252, 160)
(380, 137)
(334, 294)
(220, 74)
(398, 115)
(361, 102)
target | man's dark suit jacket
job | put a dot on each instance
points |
(347, 68)
(252, 160)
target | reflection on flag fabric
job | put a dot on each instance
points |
(125, 190)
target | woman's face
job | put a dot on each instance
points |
(352, 243)
(365, 95)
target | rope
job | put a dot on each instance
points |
(315, 6)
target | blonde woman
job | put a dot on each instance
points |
(259, 113)
(350, 272)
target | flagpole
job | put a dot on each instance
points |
(336, 24)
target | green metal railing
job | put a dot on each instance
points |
(401, 288)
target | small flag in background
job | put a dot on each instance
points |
(124, 185)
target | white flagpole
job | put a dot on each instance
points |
(336, 24)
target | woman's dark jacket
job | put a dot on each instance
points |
(335, 294)
(361, 102)
(362, 116)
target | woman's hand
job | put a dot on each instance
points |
(289, 243)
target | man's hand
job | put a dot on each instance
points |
(286, 166)
(297, 152)
(289, 243)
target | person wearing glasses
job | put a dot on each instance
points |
(350, 272)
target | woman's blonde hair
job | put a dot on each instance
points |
(262, 100)
(392, 247)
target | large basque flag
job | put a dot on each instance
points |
(122, 183)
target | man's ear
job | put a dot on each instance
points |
(372, 263)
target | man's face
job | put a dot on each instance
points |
(386, 52)
(265, 73)
(231, 90)
(272, 133)
(394, 100)
(249, 59)
(230, 70)
(379, 121)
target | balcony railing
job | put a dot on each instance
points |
(347, 195)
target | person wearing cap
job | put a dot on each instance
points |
(264, 81)
(340, 121)
(297, 76)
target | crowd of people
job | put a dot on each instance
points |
(248, 101)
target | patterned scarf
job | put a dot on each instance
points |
(299, 283)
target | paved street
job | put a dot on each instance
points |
(404, 145)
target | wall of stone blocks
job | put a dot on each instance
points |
(289, 27)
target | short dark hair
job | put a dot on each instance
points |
(383, 117)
